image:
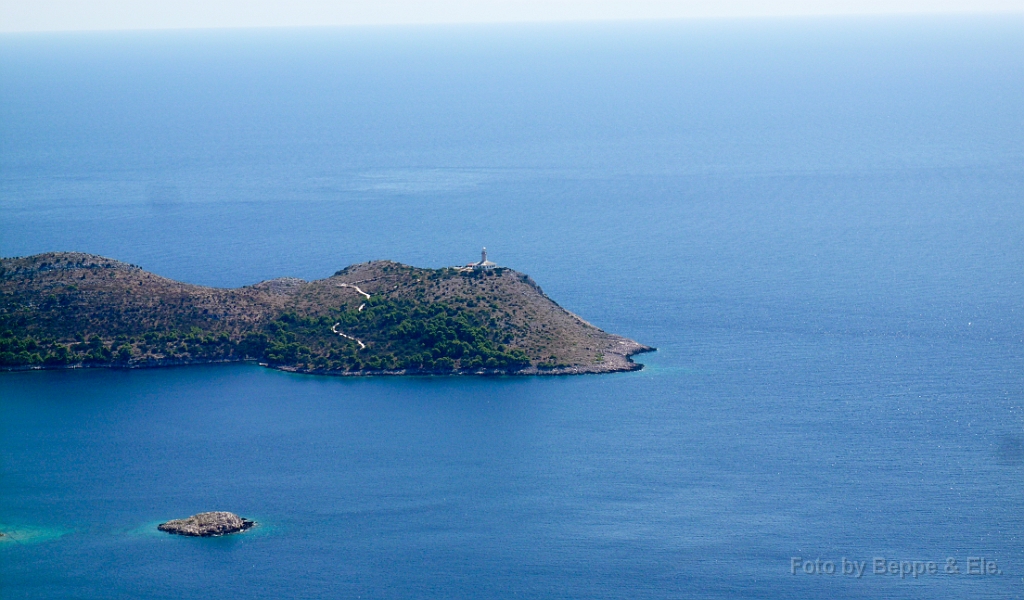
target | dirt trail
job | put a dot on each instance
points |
(334, 329)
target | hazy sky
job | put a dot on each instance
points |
(49, 15)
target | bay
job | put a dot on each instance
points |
(817, 222)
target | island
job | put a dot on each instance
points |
(207, 524)
(70, 310)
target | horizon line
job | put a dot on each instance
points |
(751, 16)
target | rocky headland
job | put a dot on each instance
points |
(66, 310)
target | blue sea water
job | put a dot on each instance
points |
(818, 222)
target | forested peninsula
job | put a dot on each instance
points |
(67, 309)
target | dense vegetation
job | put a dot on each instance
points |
(403, 335)
(16, 350)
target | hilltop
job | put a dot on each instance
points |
(65, 309)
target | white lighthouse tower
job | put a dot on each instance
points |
(484, 263)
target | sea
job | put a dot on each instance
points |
(818, 222)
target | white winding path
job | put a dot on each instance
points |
(362, 346)
(356, 288)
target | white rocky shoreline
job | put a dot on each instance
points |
(617, 360)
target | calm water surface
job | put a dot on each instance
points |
(820, 224)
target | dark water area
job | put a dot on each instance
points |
(819, 223)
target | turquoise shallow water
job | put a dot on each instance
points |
(818, 223)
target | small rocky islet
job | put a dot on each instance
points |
(207, 524)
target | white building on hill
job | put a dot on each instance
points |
(483, 264)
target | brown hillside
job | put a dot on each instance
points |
(61, 309)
